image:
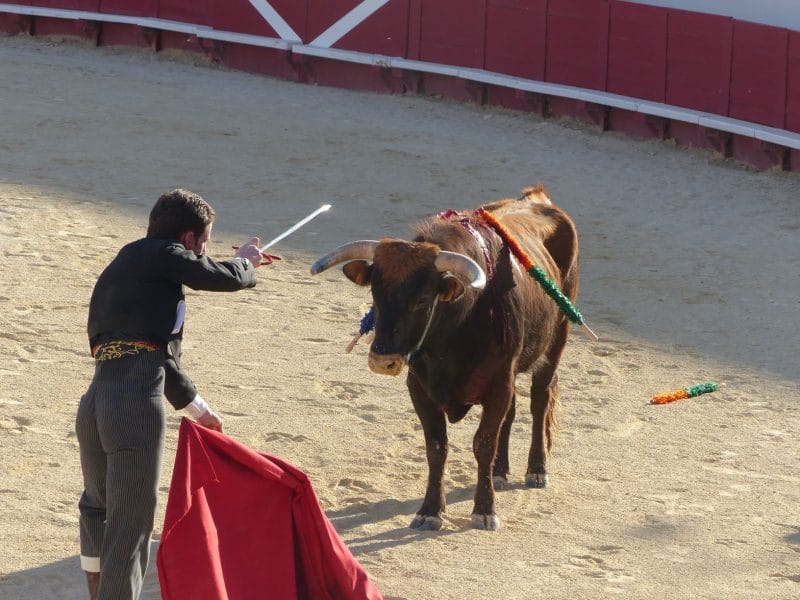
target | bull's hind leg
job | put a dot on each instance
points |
(544, 399)
(501, 469)
(429, 516)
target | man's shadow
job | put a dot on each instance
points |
(65, 580)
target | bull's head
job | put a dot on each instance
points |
(408, 280)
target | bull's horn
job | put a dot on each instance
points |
(360, 250)
(462, 265)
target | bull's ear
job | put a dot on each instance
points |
(450, 288)
(359, 272)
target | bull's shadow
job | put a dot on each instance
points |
(363, 513)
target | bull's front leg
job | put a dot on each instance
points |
(429, 516)
(501, 468)
(496, 405)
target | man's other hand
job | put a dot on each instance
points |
(210, 420)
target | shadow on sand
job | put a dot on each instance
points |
(64, 580)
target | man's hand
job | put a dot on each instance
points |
(210, 420)
(251, 252)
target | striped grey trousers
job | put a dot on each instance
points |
(120, 428)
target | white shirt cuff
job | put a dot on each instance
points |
(90, 564)
(196, 407)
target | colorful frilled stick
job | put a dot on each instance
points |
(367, 323)
(689, 392)
(570, 310)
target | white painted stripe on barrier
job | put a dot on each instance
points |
(668, 111)
(347, 23)
(781, 137)
(425, 67)
(727, 124)
(247, 39)
(773, 135)
(343, 55)
(275, 21)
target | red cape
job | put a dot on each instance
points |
(242, 524)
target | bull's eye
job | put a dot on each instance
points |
(421, 304)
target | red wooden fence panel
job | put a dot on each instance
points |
(186, 11)
(516, 37)
(15, 24)
(637, 51)
(136, 8)
(452, 32)
(241, 17)
(698, 61)
(577, 42)
(758, 74)
(793, 84)
(79, 28)
(383, 32)
(793, 95)
(324, 13)
(88, 5)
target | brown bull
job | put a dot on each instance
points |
(456, 307)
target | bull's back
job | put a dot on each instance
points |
(548, 236)
(544, 231)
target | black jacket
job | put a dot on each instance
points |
(140, 293)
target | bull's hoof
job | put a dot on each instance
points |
(485, 522)
(426, 523)
(499, 482)
(536, 480)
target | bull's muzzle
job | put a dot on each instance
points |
(386, 364)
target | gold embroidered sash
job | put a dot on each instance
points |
(121, 348)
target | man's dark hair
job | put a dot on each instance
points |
(178, 211)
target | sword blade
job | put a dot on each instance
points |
(296, 226)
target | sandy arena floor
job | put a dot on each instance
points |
(691, 272)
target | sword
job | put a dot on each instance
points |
(296, 226)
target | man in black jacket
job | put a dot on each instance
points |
(135, 328)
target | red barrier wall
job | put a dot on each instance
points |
(88, 5)
(637, 51)
(758, 74)
(187, 11)
(241, 17)
(698, 61)
(793, 83)
(443, 42)
(705, 62)
(383, 32)
(577, 43)
(516, 37)
(137, 8)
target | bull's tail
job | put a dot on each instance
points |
(537, 194)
